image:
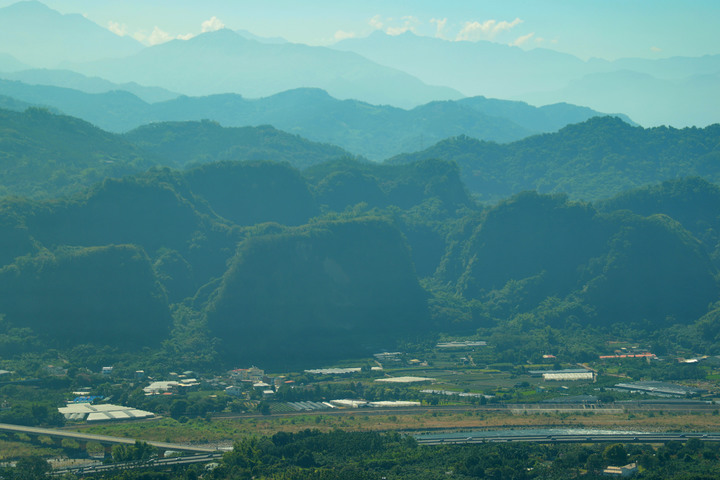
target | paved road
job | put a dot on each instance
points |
(452, 439)
(152, 463)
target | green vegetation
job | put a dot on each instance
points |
(311, 454)
(232, 262)
(44, 155)
(593, 160)
(187, 143)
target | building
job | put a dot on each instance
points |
(660, 389)
(85, 412)
(405, 380)
(466, 344)
(568, 374)
(252, 374)
(156, 388)
(573, 376)
(625, 471)
(234, 391)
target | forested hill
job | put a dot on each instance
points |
(188, 143)
(592, 160)
(234, 261)
(45, 155)
(694, 202)
(189, 245)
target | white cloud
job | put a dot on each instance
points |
(187, 36)
(474, 31)
(376, 22)
(440, 25)
(656, 49)
(212, 25)
(409, 25)
(342, 35)
(158, 36)
(117, 28)
(521, 40)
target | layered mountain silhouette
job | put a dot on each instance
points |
(225, 62)
(373, 131)
(42, 37)
(678, 91)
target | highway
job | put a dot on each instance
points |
(591, 437)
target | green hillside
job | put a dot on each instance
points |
(592, 160)
(187, 143)
(237, 262)
(42, 154)
(691, 201)
(325, 290)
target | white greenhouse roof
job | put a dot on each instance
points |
(105, 412)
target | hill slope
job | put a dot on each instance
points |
(591, 160)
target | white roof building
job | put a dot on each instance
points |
(86, 412)
(405, 379)
(156, 388)
(587, 375)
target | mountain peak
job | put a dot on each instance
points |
(29, 7)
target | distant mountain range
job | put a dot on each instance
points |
(42, 37)
(8, 63)
(225, 62)
(680, 91)
(76, 81)
(373, 131)
(403, 70)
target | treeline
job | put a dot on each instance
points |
(311, 454)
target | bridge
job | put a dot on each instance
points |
(107, 442)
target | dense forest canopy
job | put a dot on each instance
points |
(351, 256)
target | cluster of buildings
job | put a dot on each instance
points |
(245, 379)
(184, 382)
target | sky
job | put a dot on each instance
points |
(608, 29)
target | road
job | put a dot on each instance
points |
(152, 463)
(454, 439)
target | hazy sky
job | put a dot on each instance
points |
(599, 28)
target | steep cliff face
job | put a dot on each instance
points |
(320, 291)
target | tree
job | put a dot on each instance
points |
(32, 467)
(615, 454)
